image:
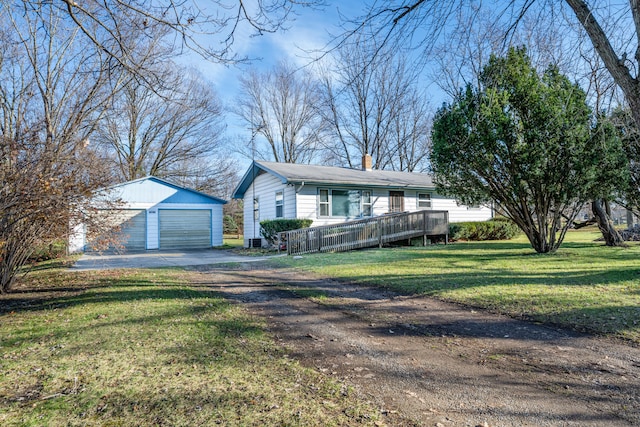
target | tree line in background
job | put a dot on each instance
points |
(90, 95)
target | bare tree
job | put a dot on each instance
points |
(460, 56)
(280, 106)
(613, 28)
(208, 28)
(53, 91)
(613, 43)
(173, 132)
(410, 138)
(372, 106)
(215, 174)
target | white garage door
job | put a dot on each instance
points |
(122, 229)
(185, 228)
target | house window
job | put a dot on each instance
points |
(424, 201)
(279, 204)
(344, 203)
(324, 203)
(256, 209)
(367, 206)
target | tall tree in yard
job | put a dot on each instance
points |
(173, 131)
(373, 105)
(613, 177)
(523, 140)
(279, 106)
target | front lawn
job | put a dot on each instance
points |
(142, 348)
(585, 285)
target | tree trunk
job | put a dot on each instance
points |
(602, 212)
(617, 66)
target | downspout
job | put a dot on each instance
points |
(295, 205)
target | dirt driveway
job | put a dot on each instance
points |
(429, 363)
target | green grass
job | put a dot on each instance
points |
(231, 241)
(585, 285)
(140, 348)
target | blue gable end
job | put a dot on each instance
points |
(154, 190)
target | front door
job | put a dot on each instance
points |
(396, 201)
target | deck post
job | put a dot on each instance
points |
(379, 224)
(424, 228)
(446, 236)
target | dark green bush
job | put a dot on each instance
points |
(271, 227)
(495, 229)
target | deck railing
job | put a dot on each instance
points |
(365, 233)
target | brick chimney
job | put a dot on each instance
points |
(366, 162)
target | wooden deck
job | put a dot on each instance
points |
(367, 232)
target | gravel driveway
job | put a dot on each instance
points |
(164, 258)
(425, 362)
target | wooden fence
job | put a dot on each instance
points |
(366, 232)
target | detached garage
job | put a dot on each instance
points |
(153, 214)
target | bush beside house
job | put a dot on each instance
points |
(495, 229)
(271, 227)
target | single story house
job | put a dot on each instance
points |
(152, 213)
(331, 195)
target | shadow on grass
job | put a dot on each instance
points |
(102, 290)
(468, 251)
(569, 310)
(437, 282)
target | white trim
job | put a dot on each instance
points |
(430, 200)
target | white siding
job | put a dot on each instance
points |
(380, 201)
(266, 186)
(216, 225)
(77, 238)
(460, 213)
(307, 201)
(290, 202)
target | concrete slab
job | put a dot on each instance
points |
(154, 259)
